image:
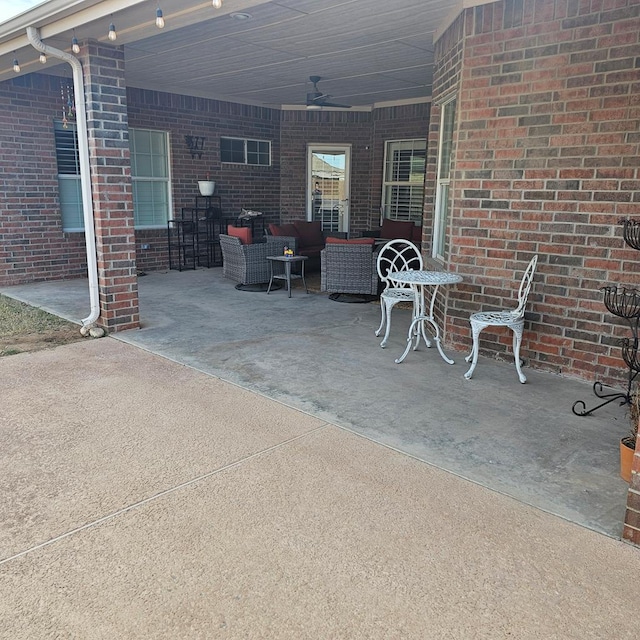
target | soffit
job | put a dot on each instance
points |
(366, 51)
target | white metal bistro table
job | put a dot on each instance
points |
(287, 276)
(419, 281)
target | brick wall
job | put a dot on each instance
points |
(256, 188)
(43, 251)
(33, 246)
(546, 161)
(393, 123)
(366, 132)
(239, 186)
(298, 128)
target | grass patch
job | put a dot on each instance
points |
(18, 318)
(26, 328)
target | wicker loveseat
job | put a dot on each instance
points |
(305, 238)
(349, 266)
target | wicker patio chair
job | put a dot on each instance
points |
(247, 264)
(349, 268)
(397, 255)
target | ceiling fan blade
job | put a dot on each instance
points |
(315, 96)
(334, 104)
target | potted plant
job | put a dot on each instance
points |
(207, 187)
(628, 443)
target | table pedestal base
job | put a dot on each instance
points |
(424, 313)
(417, 331)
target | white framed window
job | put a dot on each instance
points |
(150, 177)
(69, 189)
(403, 186)
(245, 151)
(443, 179)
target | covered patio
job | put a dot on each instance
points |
(322, 357)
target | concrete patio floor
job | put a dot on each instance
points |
(142, 498)
(145, 499)
(322, 357)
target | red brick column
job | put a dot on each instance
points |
(107, 125)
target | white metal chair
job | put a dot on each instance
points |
(513, 319)
(396, 255)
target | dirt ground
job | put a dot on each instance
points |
(36, 341)
(24, 329)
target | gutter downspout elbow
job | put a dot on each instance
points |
(85, 174)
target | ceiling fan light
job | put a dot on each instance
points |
(314, 107)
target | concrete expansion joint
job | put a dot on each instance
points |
(161, 494)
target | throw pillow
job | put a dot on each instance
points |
(243, 233)
(396, 229)
(283, 230)
(310, 233)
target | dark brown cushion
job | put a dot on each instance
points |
(283, 230)
(369, 241)
(244, 233)
(396, 229)
(310, 233)
(311, 252)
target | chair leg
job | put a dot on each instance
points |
(517, 340)
(476, 329)
(387, 305)
(383, 317)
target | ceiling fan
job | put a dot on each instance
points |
(316, 99)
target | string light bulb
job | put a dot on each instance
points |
(159, 18)
(16, 64)
(217, 4)
(75, 47)
(43, 56)
(112, 32)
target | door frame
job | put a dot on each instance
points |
(312, 148)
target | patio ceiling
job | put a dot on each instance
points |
(367, 51)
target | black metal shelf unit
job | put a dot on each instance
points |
(194, 238)
(181, 239)
(624, 303)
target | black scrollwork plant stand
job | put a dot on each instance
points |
(624, 303)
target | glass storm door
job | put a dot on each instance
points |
(328, 168)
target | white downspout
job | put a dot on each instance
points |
(85, 179)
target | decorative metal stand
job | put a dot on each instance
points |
(194, 238)
(624, 303)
